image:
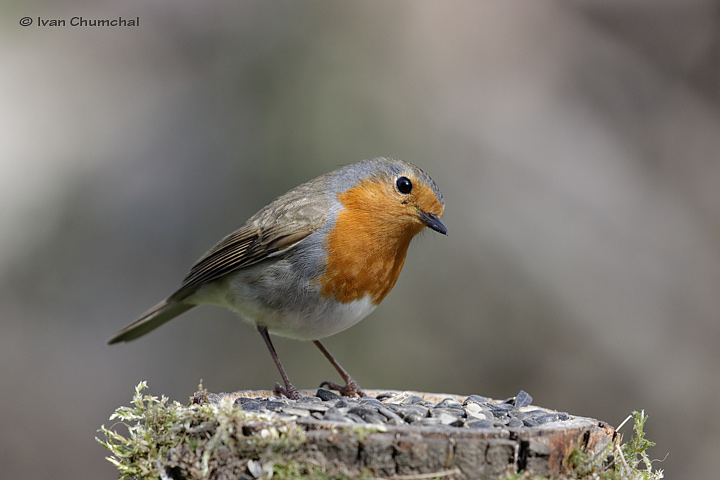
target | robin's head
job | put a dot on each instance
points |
(395, 198)
(383, 204)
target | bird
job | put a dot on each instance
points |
(314, 261)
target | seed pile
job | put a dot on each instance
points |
(405, 408)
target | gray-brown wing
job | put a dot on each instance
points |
(242, 248)
(277, 226)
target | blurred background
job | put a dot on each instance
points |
(577, 145)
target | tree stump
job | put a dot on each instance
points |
(348, 437)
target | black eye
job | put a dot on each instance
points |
(404, 185)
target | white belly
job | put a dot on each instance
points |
(319, 324)
(315, 320)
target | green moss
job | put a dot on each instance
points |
(194, 438)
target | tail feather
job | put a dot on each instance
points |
(150, 320)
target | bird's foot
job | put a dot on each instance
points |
(351, 389)
(288, 391)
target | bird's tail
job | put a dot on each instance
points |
(150, 320)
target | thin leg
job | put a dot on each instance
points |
(289, 390)
(351, 387)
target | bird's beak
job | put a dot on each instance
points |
(432, 221)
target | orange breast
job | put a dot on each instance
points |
(366, 249)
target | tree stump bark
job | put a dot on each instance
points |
(408, 451)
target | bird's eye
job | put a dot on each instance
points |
(404, 185)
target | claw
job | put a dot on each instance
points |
(290, 392)
(351, 389)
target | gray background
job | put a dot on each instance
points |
(576, 144)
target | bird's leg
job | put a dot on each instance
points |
(289, 389)
(351, 387)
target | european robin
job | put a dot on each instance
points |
(315, 261)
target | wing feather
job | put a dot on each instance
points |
(243, 248)
(279, 225)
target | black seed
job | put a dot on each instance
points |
(371, 402)
(254, 406)
(480, 424)
(273, 406)
(449, 403)
(523, 399)
(550, 417)
(384, 396)
(475, 399)
(326, 395)
(515, 423)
